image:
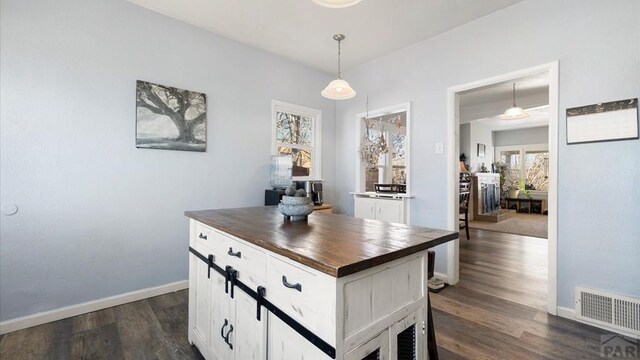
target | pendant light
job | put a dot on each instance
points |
(338, 89)
(514, 112)
(336, 3)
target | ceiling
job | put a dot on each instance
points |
(303, 31)
(525, 87)
(486, 103)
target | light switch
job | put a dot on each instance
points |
(439, 148)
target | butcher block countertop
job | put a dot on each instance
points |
(337, 245)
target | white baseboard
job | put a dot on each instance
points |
(441, 276)
(566, 313)
(78, 309)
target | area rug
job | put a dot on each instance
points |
(521, 224)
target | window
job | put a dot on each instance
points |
(297, 131)
(528, 162)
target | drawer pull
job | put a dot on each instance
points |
(202, 236)
(226, 339)
(223, 326)
(287, 284)
(236, 254)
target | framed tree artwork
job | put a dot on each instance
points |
(170, 118)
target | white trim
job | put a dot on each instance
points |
(566, 313)
(404, 107)
(316, 114)
(90, 306)
(453, 169)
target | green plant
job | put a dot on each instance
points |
(522, 186)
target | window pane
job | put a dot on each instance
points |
(537, 170)
(301, 160)
(293, 129)
(398, 151)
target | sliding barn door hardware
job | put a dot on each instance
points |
(231, 276)
(261, 293)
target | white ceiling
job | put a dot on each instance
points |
(302, 30)
(525, 87)
(485, 104)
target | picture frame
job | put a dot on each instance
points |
(481, 149)
(170, 118)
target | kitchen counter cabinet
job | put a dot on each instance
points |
(360, 285)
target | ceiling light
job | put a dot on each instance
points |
(338, 89)
(336, 3)
(514, 112)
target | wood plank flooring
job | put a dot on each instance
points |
(495, 312)
(498, 308)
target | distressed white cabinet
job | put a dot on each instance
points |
(364, 307)
(383, 208)
(221, 327)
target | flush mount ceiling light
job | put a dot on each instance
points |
(338, 89)
(336, 4)
(514, 112)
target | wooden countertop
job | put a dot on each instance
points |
(337, 245)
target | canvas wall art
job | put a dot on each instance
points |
(170, 118)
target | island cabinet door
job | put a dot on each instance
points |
(249, 335)
(374, 349)
(407, 338)
(199, 305)
(222, 321)
(286, 344)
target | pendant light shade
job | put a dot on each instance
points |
(514, 112)
(336, 3)
(338, 89)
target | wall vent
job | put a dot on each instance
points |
(609, 311)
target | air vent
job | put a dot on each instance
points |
(609, 311)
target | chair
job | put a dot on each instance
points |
(465, 188)
(432, 347)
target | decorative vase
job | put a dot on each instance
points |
(513, 193)
(280, 171)
(295, 208)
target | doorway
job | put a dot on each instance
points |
(550, 71)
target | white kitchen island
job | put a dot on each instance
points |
(332, 287)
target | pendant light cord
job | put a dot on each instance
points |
(514, 94)
(339, 74)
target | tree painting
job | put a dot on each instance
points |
(170, 118)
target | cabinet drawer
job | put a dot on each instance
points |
(203, 236)
(305, 296)
(250, 262)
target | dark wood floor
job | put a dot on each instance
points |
(495, 312)
(498, 308)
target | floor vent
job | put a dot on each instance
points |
(609, 311)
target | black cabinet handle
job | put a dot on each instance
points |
(297, 286)
(202, 236)
(224, 326)
(226, 339)
(236, 254)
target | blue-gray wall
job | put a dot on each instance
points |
(597, 44)
(536, 135)
(98, 217)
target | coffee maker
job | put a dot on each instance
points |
(316, 192)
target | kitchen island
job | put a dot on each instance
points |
(332, 287)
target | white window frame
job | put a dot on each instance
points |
(316, 140)
(523, 150)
